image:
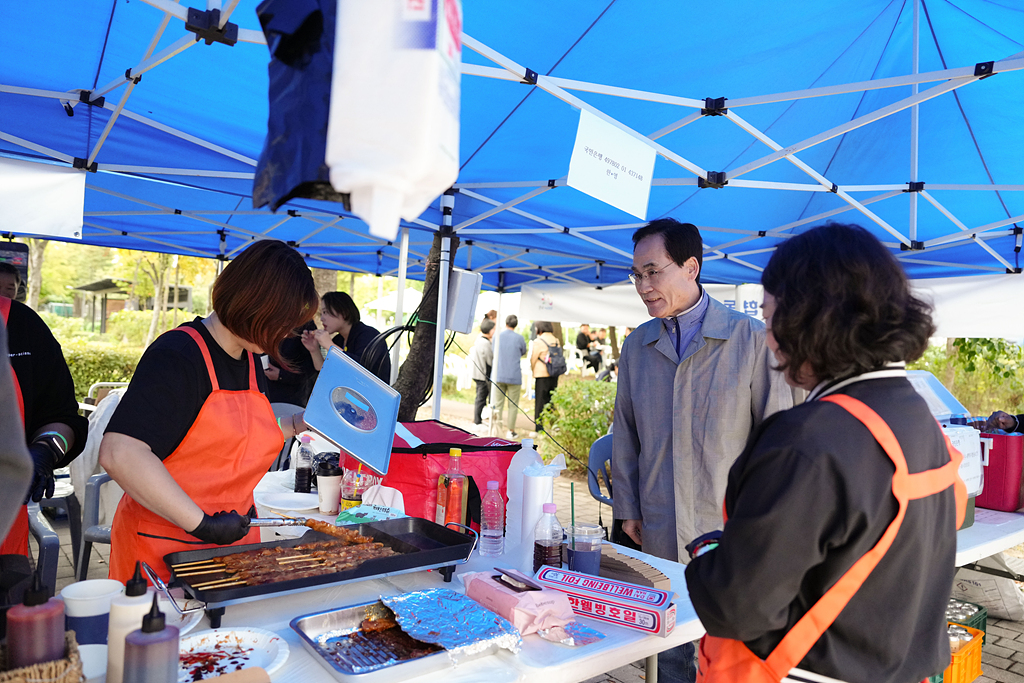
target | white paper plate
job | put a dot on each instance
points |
(94, 662)
(288, 501)
(183, 622)
(230, 650)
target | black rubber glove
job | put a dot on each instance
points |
(222, 528)
(45, 454)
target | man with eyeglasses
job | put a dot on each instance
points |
(692, 384)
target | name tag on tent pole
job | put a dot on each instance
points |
(611, 165)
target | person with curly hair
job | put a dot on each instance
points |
(837, 554)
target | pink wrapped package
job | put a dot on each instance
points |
(529, 610)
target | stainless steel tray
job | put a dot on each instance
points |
(364, 667)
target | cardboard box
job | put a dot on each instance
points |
(624, 604)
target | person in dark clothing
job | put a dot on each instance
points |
(815, 491)
(583, 342)
(344, 329)
(292, 386)
(481, 358)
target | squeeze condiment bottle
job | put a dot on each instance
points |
(35, 628)
(126, 614)
(151, 653)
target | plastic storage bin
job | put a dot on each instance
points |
(966, 664)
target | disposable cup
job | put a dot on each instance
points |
(87, 608)
(584, 548)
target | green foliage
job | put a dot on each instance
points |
(92, 362)
(450, 391)
(579, 413)
(984, 374)
(68, 329)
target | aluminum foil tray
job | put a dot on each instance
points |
(318, 631)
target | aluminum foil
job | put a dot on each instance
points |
(457, 623)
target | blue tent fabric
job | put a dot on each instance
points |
(175, 169)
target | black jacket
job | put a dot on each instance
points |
(377, 360)
(808, 497)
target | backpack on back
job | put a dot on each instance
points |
(555, 360)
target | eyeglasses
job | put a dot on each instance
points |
(649, 275)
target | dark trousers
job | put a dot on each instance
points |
(543, 387)
(481, 400)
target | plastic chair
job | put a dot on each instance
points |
(49, 546)
(64, 498)
(598, 465)
(93, 531)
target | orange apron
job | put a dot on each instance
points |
(722, 660)
(16, 542)
(225, 453)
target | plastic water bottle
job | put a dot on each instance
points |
(303, 465)
(523, 458)
(492, 524)
(547, 545)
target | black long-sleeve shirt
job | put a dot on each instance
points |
(808, 497)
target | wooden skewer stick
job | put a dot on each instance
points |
(189, 564)
(292, 558)
(219, 570)
(302, 560)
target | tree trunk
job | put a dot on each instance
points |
(614, 341)
(416, 374)
(558, 333)
(36, 247)
(133, 298)
(949, 376)
(324, 281)
(156, 274)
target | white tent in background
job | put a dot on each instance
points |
(389, 302)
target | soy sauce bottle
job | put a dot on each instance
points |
(303, 465)
(547, 546)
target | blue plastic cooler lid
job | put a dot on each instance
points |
(354, 410)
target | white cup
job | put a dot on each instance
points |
(328, 488)
(87, 608)
(266, 361)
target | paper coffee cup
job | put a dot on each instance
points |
(87, 608)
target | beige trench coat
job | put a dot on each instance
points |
(679, 426)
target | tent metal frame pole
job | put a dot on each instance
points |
(790, 156)
(181, 135)
(915, 118)
(403, 271)
(176, 48)
(21, 142)
(167, 170)
(949, 239)
(447, 207)
(501, 207)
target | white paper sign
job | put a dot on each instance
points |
(611, 165)
(41, 199)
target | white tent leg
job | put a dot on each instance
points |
(447, 204)
(403, 268)
(914, 120)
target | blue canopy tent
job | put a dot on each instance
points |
(902, 115)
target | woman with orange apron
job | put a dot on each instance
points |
(45, 395)
(194, 434)
(837, 555)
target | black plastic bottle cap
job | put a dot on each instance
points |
(137, 584)
(154, 621)
(38, 594)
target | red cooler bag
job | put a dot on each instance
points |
(415, 468)
(1004, 464)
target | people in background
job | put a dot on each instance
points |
(344, 329)
(194, 432)
(491, 315)
(610, 373)
(294, 382)
(543, 382)
(10, 280)
(1003, 421)
(692, 384)
(858, 475)
(481, 357)
(585, 340)
(508, 373)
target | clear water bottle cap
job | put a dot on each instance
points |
(551, 508)
(492, 486)
(305, 438)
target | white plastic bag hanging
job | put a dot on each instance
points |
(393, 129)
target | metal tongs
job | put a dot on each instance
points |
(277, 521)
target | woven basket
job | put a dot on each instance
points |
(67, 670)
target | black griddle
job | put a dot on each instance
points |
(420, 545)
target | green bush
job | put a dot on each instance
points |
(68, 329)
(579, 413)
(92, 362)
(983, 374)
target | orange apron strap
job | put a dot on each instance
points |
(802, 637)
(192, 332)
(253, 386)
